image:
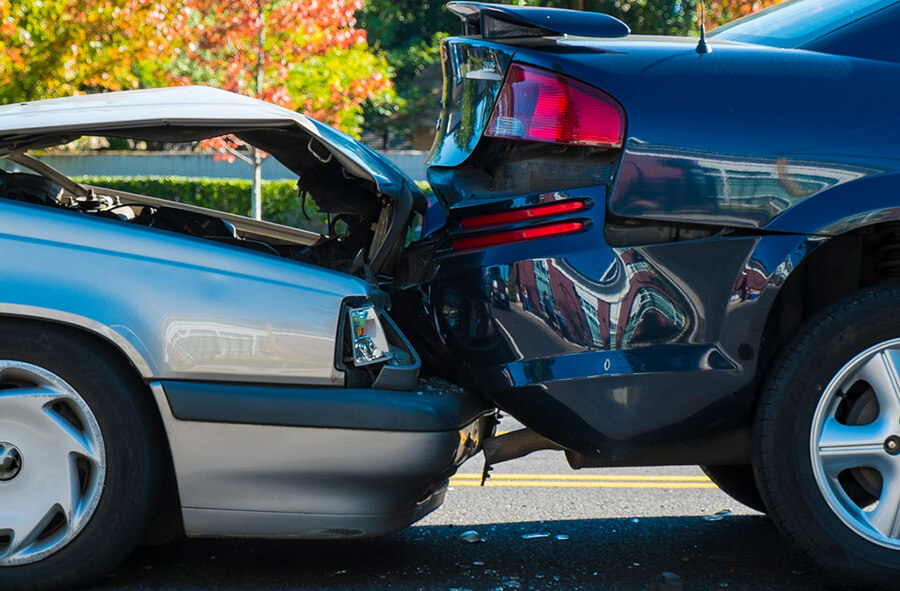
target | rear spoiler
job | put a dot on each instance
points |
(504, 21)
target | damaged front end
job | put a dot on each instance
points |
(293, 404)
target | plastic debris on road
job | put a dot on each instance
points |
(471, 537)
(718, 516)
(535, 535)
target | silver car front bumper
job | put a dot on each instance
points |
(296, 481)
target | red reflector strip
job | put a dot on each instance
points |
(510, 236)
(518, 215)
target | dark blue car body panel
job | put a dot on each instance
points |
(615, 349)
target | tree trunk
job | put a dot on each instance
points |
(260, 46)
(256, 201)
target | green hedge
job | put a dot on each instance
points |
(281, 202)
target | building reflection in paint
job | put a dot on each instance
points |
(196, 346)
(630, 305)
(676, 183)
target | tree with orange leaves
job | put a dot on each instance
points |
(720, 12)
(51, 48)
(302, 55)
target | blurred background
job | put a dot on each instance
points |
(368, 67)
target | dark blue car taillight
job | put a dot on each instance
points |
(542, 106)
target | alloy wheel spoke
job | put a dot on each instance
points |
(882, 373)
(842, 447)
(837, 459)
(885, 518)
(835, 435)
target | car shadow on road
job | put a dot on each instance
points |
(736, 552)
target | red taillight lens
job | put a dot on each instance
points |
(510, 236)
(543, 106)
(523, 214)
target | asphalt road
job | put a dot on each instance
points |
(543, 526)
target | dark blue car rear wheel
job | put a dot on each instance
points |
(827, 438)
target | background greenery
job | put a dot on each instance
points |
(356, 64)
(281, 203)
(407, 33)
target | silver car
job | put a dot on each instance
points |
(165, 368)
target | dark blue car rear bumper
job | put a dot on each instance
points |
(609, 351)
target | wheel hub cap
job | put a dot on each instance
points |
(855, 444)
(45, 504)
(10, 461)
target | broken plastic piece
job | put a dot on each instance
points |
(719, 516)
(471, 537)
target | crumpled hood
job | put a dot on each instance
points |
(189, 113)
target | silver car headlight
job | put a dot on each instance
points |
(369, 342)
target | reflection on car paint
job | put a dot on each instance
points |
(468, 97)
(630, 305)
(771, 253)
(219, 346)
(617, 363)
(666, 182)
(610, 340)
(613, 298)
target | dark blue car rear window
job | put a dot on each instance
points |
(796, 22)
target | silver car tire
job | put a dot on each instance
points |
(79, 467)
(827, 439)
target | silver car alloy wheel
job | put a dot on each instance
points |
(855, 444)
(52, 463)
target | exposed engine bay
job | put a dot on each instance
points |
(358, 222)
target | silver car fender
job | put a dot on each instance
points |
(178, 307)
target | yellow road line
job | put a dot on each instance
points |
(565, 484)
(588, 478)
(656, 481)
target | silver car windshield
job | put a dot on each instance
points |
(795, 23)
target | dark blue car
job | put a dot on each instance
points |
(654, 250)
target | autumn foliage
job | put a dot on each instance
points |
(307, 55)
(51, 48)
(723, 11)
(303, 55)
